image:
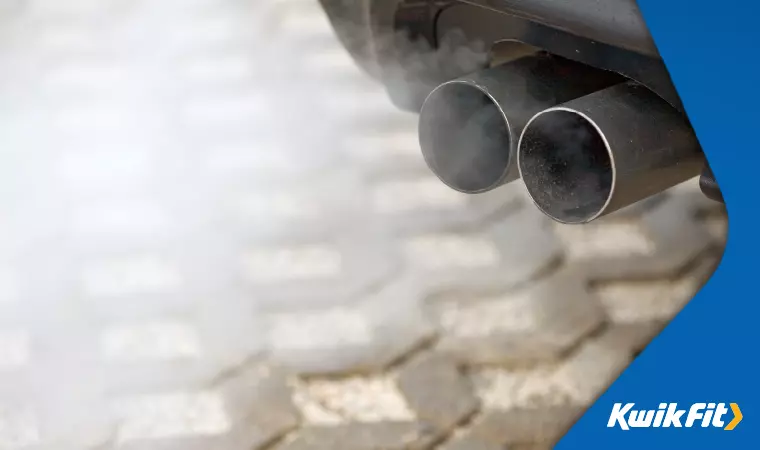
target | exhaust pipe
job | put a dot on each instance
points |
(605, 151)
(469, 127)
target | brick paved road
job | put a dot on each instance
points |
(218, 234)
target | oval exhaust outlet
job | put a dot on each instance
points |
(605, 151)
(469, 127)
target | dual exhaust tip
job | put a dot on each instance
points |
(585, 142)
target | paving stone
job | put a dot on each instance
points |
(68, 420)
(526, 426)
(678, 240)
(309, 272)
(717, 226)
(437, 391)
(657, 300)
(574, 381)
(315, 209)
(418, 203)
(135, 285)
(166, 420)
(353, 399)
(385, 436)
(505, 389)
(368, 336)
(467, 442)
(241, 407)
(221, 442)
(714, 218)
(537, 323)
(230, 331)
(493, 257)
(259, 396)
(247, 407)
(137, 378)
(631, 338)
(588, 371)
(151, 341)
(605, 239)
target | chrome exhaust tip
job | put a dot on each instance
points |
(469, 127)
(605, 151)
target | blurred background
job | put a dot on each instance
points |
(218, 233)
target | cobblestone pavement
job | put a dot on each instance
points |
(219, 234)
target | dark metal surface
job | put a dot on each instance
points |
(416, 53)
(469, 127)
(597, 154)
(614, 22)
(350, 20)
(709, 185)
(406, 49)
(489, 27)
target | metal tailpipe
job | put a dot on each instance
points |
(469, 127)
(602, 152)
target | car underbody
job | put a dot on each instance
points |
(591, 66)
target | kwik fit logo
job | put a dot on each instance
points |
(669, 415)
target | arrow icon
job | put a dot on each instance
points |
(737, 417)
